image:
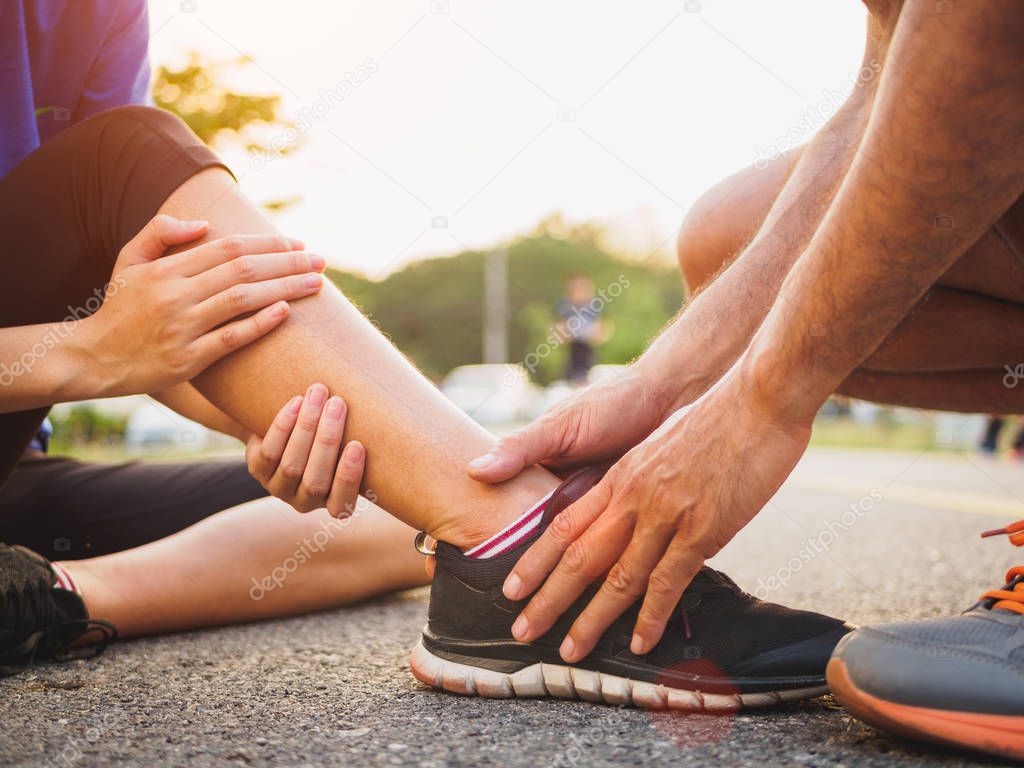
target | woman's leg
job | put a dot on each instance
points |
(259, 560)
(417, 442)
(144, 161)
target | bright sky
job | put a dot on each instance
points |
(492, 115)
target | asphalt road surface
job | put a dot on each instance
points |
(865, 535)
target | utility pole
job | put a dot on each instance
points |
(496, 306)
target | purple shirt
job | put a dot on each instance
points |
(62, 61)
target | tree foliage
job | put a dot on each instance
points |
(433, 310)
(198, 95)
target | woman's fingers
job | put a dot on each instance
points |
(264, 455)
(300, 460)
(159, 234)
(252, 297)
(347, 478)
(285, 483)
(197, 260)
(318, 477)
(215, 344)
(253, 268)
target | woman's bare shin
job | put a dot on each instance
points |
(417, 442)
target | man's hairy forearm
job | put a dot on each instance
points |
(941, 160)
(716, 327)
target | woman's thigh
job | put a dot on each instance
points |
(65, 211)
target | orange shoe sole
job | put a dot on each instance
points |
(1001, 735)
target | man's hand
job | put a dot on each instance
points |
(300, 460)
(669, 504)
(593, 425)
(166, 318)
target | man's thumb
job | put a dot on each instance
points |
(159, 234)
(513, 453)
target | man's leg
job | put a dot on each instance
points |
(417, 442)
(949, 353)
(259, 560)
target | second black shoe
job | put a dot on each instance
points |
(723, 649)
(39, 621)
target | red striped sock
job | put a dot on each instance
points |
(64, 580)
(512, 534)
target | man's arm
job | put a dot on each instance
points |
(945, 139)
(701, 344)
(942, 160)
(717, 325)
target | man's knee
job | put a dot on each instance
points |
(700, 253)
(726, 217)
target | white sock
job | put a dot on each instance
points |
(63, 579)
(512, 534)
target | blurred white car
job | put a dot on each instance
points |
(152, 426)
(561, 389)
(492, 394)
(604, 371)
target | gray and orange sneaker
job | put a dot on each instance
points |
(723, 650)
(957, 681)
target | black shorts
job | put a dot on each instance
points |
(66, 509)
(66, 211)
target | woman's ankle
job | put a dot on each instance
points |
(468, 528)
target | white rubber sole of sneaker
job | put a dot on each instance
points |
(564, 682)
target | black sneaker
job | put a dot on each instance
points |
(38, 621)
(723, 650)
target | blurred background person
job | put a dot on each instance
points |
(580, 313)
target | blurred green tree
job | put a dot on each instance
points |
(197, 93)
(433, 310)
(84, 424)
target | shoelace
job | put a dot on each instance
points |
(55, 636)
(1011, 596)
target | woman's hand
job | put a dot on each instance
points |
(646, 529)
(300, 460)
(593, 425)
(164, 319)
